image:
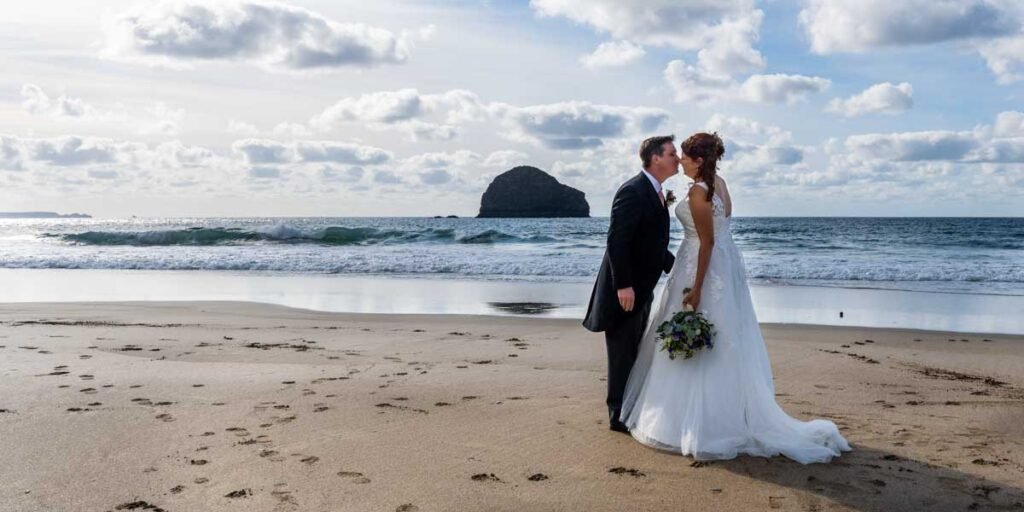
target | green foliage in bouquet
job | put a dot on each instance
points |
(686, 333)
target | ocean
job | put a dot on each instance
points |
(948, 255)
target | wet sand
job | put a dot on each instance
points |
(241, 406)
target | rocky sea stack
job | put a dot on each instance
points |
(526, 191)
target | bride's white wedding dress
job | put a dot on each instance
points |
(721, 402)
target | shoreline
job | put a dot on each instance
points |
(34, 307)
(231, 406)
(959, 312)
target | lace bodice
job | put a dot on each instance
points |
(684, 215)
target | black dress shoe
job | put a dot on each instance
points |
(618, 426)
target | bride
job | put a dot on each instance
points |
(721, 402)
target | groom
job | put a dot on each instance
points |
(636, 255)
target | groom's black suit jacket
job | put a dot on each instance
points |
(636, 255)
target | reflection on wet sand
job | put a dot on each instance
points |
(523, 308)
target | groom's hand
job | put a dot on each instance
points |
(627, 298)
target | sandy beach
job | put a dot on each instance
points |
(196, 406)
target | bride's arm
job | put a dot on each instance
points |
(703, 220)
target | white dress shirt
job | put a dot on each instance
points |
(654, 181)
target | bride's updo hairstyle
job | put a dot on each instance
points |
(710, 148)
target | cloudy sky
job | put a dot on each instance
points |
(409, 107)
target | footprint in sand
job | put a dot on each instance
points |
(408, 507)
(619, 470)
(198, 462)
(88, 391)
(139, 505)
(357, 478)
(283, 495)
(282, 420)
(166, 418)
(312, 459)
(241, 493)
(537, 477)
(201, 480)
(485, 477)
(177, 489)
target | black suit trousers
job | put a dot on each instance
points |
(623, 342)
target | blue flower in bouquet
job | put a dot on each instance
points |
(686, 333)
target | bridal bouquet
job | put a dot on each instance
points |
(686, 333)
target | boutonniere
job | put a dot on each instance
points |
(670, 197)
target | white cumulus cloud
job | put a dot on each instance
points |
(263, 151)
(575, 124)
(1009, 124)
(858, 25)
(728, 29)
(1005, 57)
(883, 98)
(781, 88)
(273, 35)
(613, 53)
(995, 28)
(36, 101)
(694, 84)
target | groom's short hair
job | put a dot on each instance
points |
(653, 146)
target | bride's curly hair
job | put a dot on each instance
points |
(710, 147)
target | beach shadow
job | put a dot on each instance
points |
(872, 479)
(523, 308)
